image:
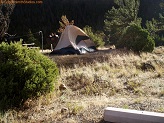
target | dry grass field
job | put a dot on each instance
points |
(116, 78)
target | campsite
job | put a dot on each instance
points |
(70, 61)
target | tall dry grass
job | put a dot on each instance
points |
(115, 78)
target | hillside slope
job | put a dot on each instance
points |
(117, 78)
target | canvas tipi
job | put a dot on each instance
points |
(74, 41)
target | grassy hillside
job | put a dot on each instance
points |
(115, 78)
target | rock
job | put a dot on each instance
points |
(112, 47)
(64, 109)
(62, 87)
(103, 94)
(147, 66)
(27, 104)
(69, 121)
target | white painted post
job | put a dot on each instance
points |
(40, 32)
(51, 47)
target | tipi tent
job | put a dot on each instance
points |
(74, 41)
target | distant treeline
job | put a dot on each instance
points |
(46, 16)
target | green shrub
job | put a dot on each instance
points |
(24, 73)
(136, 39)
(159, 41)
(97, 38)
(31, 39)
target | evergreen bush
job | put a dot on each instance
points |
(97, 38)
(31, 39)
(137, 39)
(24, 73)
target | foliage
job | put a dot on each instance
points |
(159, 40)
(156, 29)
(46, 16)
(5, 12)
(32, 39)
(63, 23)
(117, 19)
(161, 29)
(137, 39)
(161, 21)
(96, 37)
(24, 73)
(151, 26)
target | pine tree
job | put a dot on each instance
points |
(152, 26)
(160, 22)
(117, 19)
(63, 23)
(156, 28)
(32, 39)
(96, 37)
(5, 12)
